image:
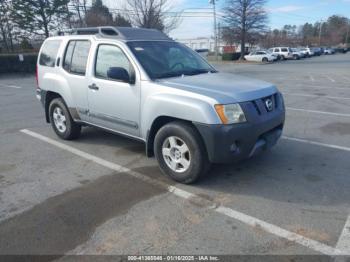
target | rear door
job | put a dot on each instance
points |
(114, 104)
(74, 65)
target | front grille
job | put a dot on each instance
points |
(256, 107)
(266, 105)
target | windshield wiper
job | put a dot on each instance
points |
(198, 72)
(169, 74)
(186, 73)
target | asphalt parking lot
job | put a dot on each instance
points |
(101, 194)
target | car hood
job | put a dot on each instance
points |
(223, 87)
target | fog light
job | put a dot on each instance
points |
(234, 148)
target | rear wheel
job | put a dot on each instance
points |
(265, 60)
(180, 152)
(61, 120)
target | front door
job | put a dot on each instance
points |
(114, 104)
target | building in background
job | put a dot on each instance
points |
(202, 43)
(208, 43)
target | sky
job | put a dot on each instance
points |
(295, 12)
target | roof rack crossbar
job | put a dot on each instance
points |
(124, 33)
(102, 30)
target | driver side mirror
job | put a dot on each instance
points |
(120, 74)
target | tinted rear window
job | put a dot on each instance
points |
(76, 57)
(68, 57)
(49, 53)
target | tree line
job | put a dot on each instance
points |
(332, 32)
(24, 20)
(245, 21)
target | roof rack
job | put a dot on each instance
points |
(121, 33)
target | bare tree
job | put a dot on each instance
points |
(6, 25)
(80, 9)
(152, 14)
(244, 17)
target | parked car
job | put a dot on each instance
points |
(260, 56)
(329, 51)
(142, 84)
(341, 50)
(317, 51)
(283, 52)
(203, 52)
(307, 51)
(297, 54)
(277, 57)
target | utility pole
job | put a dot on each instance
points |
(219, 37)
(320, 34)
(213, 2)
(347, 35)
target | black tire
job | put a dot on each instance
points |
(283, 58)
(199, 162)
(265, 60)
(72, 130)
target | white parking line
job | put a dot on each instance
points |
(275, 230)
(330, 79)
(11, 86)
(246, 219)
(316, 143)
(344, 239)
(319, 96)
(317, 112)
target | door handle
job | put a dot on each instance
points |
(94, 87)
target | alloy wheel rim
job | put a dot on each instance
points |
(176, 154)
(59, 119)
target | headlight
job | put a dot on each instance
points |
(230, 114)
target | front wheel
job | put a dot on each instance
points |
(61, 120)
(265, 60)
(180, 152)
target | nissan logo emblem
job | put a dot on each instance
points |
(269, 104)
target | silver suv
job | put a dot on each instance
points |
(142, 84)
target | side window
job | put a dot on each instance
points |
(284, 50)
(68, 57)
(49, 52)
(76, 57)
(277, 50)
(110, 56)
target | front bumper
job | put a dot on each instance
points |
(232, 143)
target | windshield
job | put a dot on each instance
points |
(163, 59)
